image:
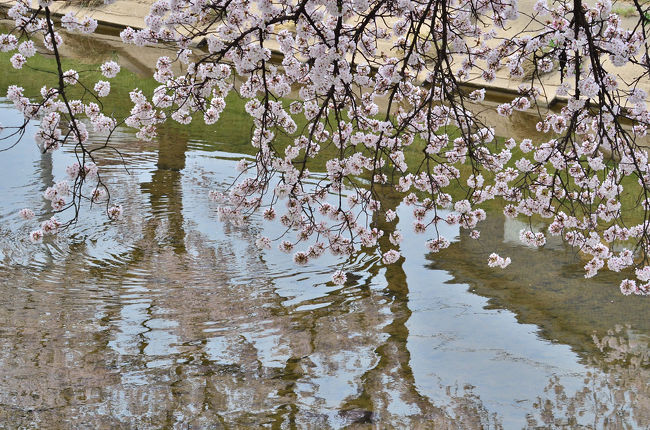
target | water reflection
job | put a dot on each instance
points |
(616, 391)
(170, 320)
(184, 323)
(165, 189)
(373, 402)
(542, 286)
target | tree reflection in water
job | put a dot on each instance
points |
(182, 326)
(164, 189)
(541, 288)
(616, 392)
(184, 330)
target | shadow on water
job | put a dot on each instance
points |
(542, 286)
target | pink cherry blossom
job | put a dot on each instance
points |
(368, 96)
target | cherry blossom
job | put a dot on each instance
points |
(110, 69)
(102, 88)
(495, 260)
(26, 214)
(391, 97)
(339, 277)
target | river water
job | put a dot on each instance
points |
(168, 319)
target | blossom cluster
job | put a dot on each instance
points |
(385, 109)
(62, 120)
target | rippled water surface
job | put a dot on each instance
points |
(169, 319)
